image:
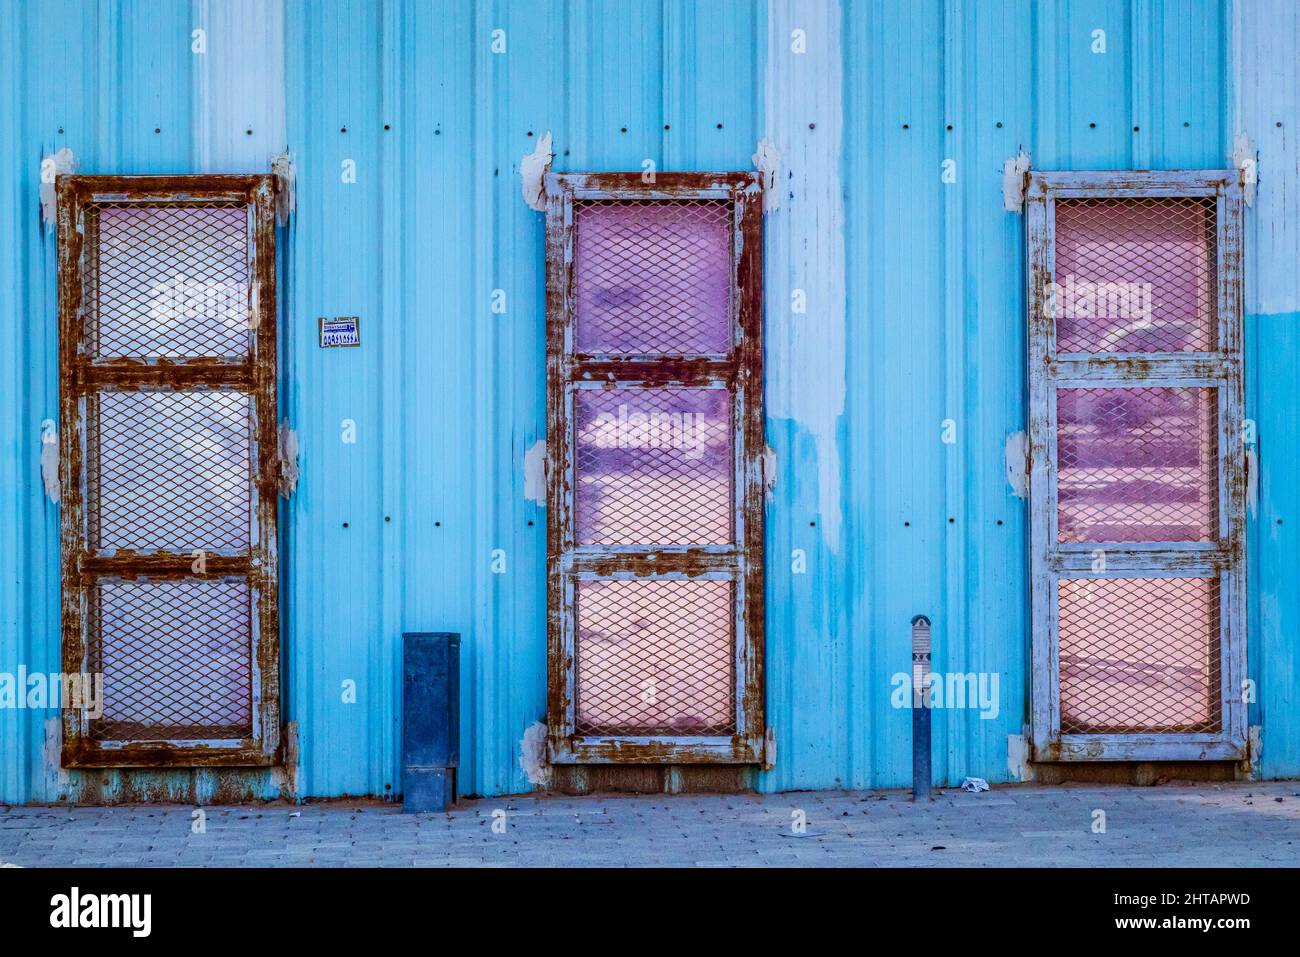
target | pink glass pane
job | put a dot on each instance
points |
(654, 656)
(654, 278)
(1139, 655)
(1137, 465)
(654, 466)
(1135, 275)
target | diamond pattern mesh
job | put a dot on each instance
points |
(1139, 655)
(1137, 465)
(654, 466)
(176, 660)
(169, 280)
(171, 470)
(654, 656)
(653, 277)
(1136, 275)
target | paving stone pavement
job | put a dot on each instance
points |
(1241, 824)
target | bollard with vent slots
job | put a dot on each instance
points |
(920, 708)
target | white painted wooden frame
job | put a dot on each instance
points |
(1051, 561)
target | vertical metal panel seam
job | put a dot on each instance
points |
(953, 646)
(392, 417)
(480, 524)
(14, 733)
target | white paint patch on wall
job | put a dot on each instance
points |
(535, 473)
(1244, 159)
(532, 170)
(288, 449)
(1266, 87)
(1018, 765)
(56, 775)
(769, 472)
(532, 755)
(1255, 743)
(239, 85)
(53, 166)
(1017, 459)
(286, 187)
(805, 237)
(1015, 173)
(768, 164)
(50, 467)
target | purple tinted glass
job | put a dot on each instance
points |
(654, 466)
(1137, 465)
(1135, 275)
(654, 278)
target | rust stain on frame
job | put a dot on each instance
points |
(647, 361)
(131, 370)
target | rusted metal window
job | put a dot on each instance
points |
(167, 372)
(655, 437)
(1138, 465)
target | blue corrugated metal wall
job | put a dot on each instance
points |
(915, 316)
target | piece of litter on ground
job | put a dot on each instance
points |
(974, 785)
(295, 813)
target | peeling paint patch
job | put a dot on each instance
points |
(1017, 459)
(1018, 758)
(54, 165)
(532, 168)
(768, 161)
(285, 778)
(288, 450)
(1244, 158)
(769, 471)
(1015, 172)
(1252, 482)
(54, 769)
(286, 187)
(769, 749)
(50, 466)
(532, 755)
(535, 473)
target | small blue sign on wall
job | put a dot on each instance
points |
(340, 331)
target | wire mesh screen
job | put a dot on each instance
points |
(1136, 275)
(653, 277)
(654, 466)
(655, 656)
(175, 658)
(1137, 465)
(168, 280)
(170, 470)
(1139, 655)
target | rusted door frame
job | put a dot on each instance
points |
(81, 375)
(741, 372)
(1050, 560)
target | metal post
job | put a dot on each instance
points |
(920, 708)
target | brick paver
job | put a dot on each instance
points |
(1239, 824)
